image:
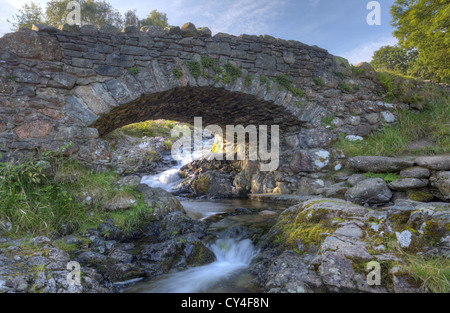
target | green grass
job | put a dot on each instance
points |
(432, 274)
(387, 177)
(195, 68)
(133, 70)
(431, 123)
(152, 128)
(177, 73)
(44, 195)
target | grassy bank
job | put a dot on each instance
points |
(53, 195)
(431, 124)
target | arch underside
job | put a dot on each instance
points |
(215, 105)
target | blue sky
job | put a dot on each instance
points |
(337, 25)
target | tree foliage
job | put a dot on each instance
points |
(93, 12)
(395, 59)
(29, 14)
(423, 25)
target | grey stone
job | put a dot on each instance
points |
(70, 28)
(44, 28)
(88, 29)
(160, 200)
(173, 30)
(415, 172)
(371, 191)
(63, 80)
(222, 48)
(408, 183)
(188, 30)
(441, 180)
(355, 179)
(378, 164)
(439, 163)
(204, 32)
(25, 76)
(120, 60)
(108, 70)
(109, 29)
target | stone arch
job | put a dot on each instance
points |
(77, 84)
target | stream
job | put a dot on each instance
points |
(234, 253)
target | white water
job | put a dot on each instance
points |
(232, 257)
(168, 180)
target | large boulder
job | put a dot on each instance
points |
(213, 184)
(160, 200)
(372, 191)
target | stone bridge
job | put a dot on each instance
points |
(79, 83)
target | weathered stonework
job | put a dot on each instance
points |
(78, 84)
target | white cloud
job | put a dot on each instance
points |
(364, 52)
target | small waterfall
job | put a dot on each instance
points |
(232, 257)
(169, 179)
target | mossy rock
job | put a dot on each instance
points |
(312, 221)
(420, 196)
(200, 255)
(201, 185)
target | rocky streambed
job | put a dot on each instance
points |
(318, 245)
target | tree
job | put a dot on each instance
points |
(155, 18)
(131, 19)
(395, 59)
(423, 24)
(93, 12)
(29, 15)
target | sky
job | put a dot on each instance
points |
(340, 26)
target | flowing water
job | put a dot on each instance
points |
(169, 179)
(226, 274)
(229, 272)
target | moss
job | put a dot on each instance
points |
(194, 68)
(201, 185)
(200, 255)
(345, 87)
(318, 82)
(434, 232)
(232, 71)
(420, 196)
(133, 70)
(177, 72)
(311, 226)
(387, 177)
(248, 81)
(207, 62)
